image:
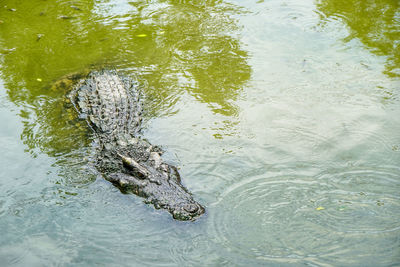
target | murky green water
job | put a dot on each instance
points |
(283, 116)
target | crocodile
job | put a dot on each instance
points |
(112, 105)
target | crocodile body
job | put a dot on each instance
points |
(112, 106)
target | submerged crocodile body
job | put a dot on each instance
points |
(112, 106)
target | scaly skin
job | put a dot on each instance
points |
(112, 107)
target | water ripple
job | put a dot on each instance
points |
(361, 200)
(367, 136)
(315, 219)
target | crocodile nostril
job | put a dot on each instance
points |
(191, 208)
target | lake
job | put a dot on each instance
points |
(283, 118)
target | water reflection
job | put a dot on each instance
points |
(175, 47)
(375, 23)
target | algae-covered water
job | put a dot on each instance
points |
(283, 117)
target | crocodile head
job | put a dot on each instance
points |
(160, 184)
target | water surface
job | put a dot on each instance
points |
(283, 117)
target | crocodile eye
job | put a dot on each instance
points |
(135, 167)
